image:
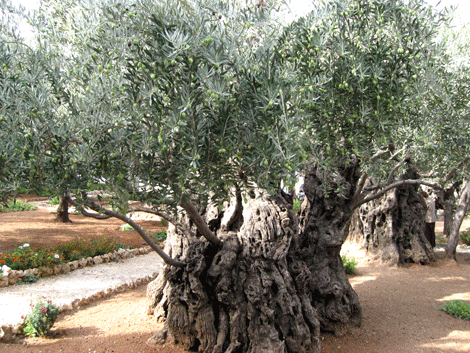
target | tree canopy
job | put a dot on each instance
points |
(157, 100)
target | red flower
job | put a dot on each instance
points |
(42, 310)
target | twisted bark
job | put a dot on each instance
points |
(272, 285)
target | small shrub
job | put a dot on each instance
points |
(465, 237)
(28, 279)
(41, 318)
(349, 265)
(458, 309)
(54, 201)
(159, 235)
(17, 205)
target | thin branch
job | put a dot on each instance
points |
(360, 187)
(165, 216)
(454, 170)
(395, 185)
(100, 209)
(201, 225)
(392, 173)
(238, 208)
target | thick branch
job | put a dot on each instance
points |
(92, 215)
(201, 225)
(395, 185)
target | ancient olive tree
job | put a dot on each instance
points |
(200, 109)
(441, 155)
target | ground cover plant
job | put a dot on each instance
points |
(458, 309)
(17, 205)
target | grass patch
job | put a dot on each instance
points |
(458, 309)
(16, 206)
(349, 264)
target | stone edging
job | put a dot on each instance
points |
(10, 333)
(13, 277)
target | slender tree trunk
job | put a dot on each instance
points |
(459, 215)
(272, 285)
(62, 214)
(448, 202)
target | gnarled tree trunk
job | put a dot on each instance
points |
(273, 284)
(391, 228)
(62, 214)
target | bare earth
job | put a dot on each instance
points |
(400, 305)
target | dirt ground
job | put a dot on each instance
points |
(400, 305)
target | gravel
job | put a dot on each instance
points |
(78, 287)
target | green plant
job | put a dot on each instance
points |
(349, 264)
(17, 205)
(24, 257)
(296, 205)
(126, 227)
(458, 309)
(159, 235)
(82, 248)
(54, 200)
(440, 238)
(28, 279)
(41, 318)
(465, 237)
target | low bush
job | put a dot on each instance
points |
(82, 248)
(24, 257)
(54, 201)
(349, 264)
(159, 235)
(28, 279)
(458, 309)
(17, 205)
(465, 237)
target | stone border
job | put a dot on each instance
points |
(13, 276)
(11, 333)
